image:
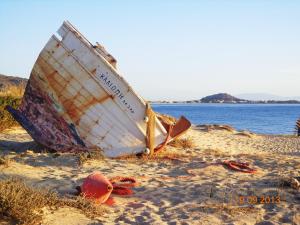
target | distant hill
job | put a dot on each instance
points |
(265, 97)
(221, 98)
(227, 98)
(12, 86)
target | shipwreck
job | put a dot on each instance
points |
(77, 100)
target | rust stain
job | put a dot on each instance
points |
(61, 94)
(75, 111)
(71, 109)
(104, 98)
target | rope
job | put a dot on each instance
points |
(238, 166)
(123, 185)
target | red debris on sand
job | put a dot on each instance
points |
(96, 186)
(238, 166)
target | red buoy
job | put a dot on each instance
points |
(97, 187)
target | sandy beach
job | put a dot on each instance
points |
(191, 188)
(149, 112)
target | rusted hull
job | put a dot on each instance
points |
(43, 123)
(76, 100)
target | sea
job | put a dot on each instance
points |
(258, 118)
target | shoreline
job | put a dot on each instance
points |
(225, 103)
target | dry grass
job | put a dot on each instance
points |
(89, 208)
(165, 154)
(12, 90)
(162, 156)
(184, 143)
(5, 161)
(6, 119)
(24, 204)
(95, 154)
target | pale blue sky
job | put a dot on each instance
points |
(169, 49)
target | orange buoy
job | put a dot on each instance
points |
(98, 187)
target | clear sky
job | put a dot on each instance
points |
(169, 49)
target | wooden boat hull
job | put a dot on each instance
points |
(76, 100)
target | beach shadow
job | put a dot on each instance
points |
(33, 154)
(20, 147)
(49, 160)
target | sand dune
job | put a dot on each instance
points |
(191, 190)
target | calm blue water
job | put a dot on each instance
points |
(259, 118)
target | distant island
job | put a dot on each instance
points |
(229, 99)
(15, 86)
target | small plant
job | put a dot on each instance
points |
(162, 156)
(184, 143)
(6, 119)
(96, 154)
(4, 161)
(12, 90)
(20, 203)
